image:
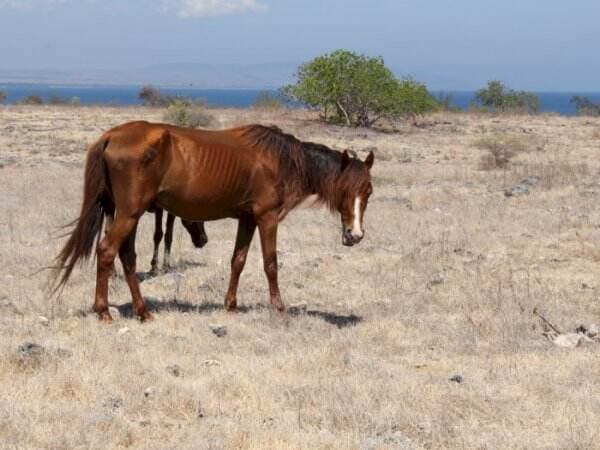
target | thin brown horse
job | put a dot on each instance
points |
(195, 230)
(256, 174)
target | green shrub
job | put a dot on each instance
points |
(151, 96)
(57, 100)
(585, 107)
(357, 90)
(444, 102)
(498, 98)
(33, 99)
(500, 148)
(186, 114)
(267, 100)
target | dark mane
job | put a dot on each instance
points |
(306, 168)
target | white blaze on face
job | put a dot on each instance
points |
(356, 226)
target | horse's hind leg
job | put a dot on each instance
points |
(168, 241)
(158, 235)
(128, 258)
(107, 250)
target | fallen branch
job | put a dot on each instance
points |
(546, 321)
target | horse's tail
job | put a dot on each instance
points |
(97, 203)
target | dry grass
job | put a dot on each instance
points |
(444, 284)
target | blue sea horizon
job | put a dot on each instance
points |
(127, 95)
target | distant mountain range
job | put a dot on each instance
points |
(196, 75)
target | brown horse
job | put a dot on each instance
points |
(254, 173)
(195, 229)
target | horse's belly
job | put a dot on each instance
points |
(197, 207)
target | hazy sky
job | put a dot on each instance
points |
(452, 44)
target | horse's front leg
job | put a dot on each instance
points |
(245, 232)
(267, 227)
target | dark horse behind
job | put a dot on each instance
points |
(255, 174)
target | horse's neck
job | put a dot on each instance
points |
(322, 172)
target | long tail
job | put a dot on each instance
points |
(96, 203)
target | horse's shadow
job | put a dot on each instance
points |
(174, 305)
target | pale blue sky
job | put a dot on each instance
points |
(460, 44)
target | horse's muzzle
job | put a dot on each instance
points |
(200, 241)
(348, 239)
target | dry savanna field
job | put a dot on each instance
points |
(426, 335)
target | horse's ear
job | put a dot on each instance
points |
(370, 159)
(345, 160)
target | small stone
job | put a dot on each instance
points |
(437, 279)
(519, 189)
(298, 308)
(113, 403)
(218, 330)
(531, 180)
(114, 312)
(569, 340)
(30, 349)
(211, 362)
(174, 370)
(43, 321)
(593, 331)
(149, 392)
(456, 379)
(123, 331)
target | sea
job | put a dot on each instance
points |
(557, 102)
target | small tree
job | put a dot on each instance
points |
(357, 90)
(266, 100)
(33, 99)
(184, 113)
(3, 97)
(151, 96)
(497, 97)
(585, 107)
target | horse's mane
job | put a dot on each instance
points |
(305, 167)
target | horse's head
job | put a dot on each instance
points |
(355, 188)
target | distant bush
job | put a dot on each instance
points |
(585, 107)
(497, 97)
(58, 100)
(357, 90)
(184, 113)
(3, 97)
(32, 100)
(266, 100)
(151, 96)
(500, 149)
(444, 102)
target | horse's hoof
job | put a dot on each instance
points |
(146, 317)
(105, 317)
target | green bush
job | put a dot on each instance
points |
(497, 97)
(184, 113)
(3, 96)
(267, 100)
(444, 102)
(357, 90)
(151, 96)
(585, 107)
(33, 99)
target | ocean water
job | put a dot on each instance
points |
(558, 102)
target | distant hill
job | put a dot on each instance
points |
(198, 75)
